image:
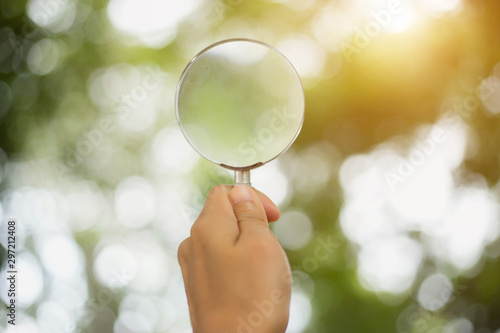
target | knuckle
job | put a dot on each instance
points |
(199, 232)
(249, 215)
(183, 250)
(198, 229)
(195, 228)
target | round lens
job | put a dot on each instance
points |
(240, 103)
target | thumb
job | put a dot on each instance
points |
(248, 208)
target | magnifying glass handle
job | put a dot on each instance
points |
(242, 177)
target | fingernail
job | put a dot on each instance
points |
(240, 193)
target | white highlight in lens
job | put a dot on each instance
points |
(242, 53)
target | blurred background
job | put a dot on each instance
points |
(389, 195)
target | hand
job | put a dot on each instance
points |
(236, 274)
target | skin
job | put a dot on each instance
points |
(236, 274)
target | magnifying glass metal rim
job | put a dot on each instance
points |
(183, 75)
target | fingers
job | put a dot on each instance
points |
(216, 221)
(272, 211)
(248, 209)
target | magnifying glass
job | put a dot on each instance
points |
(240, 104)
